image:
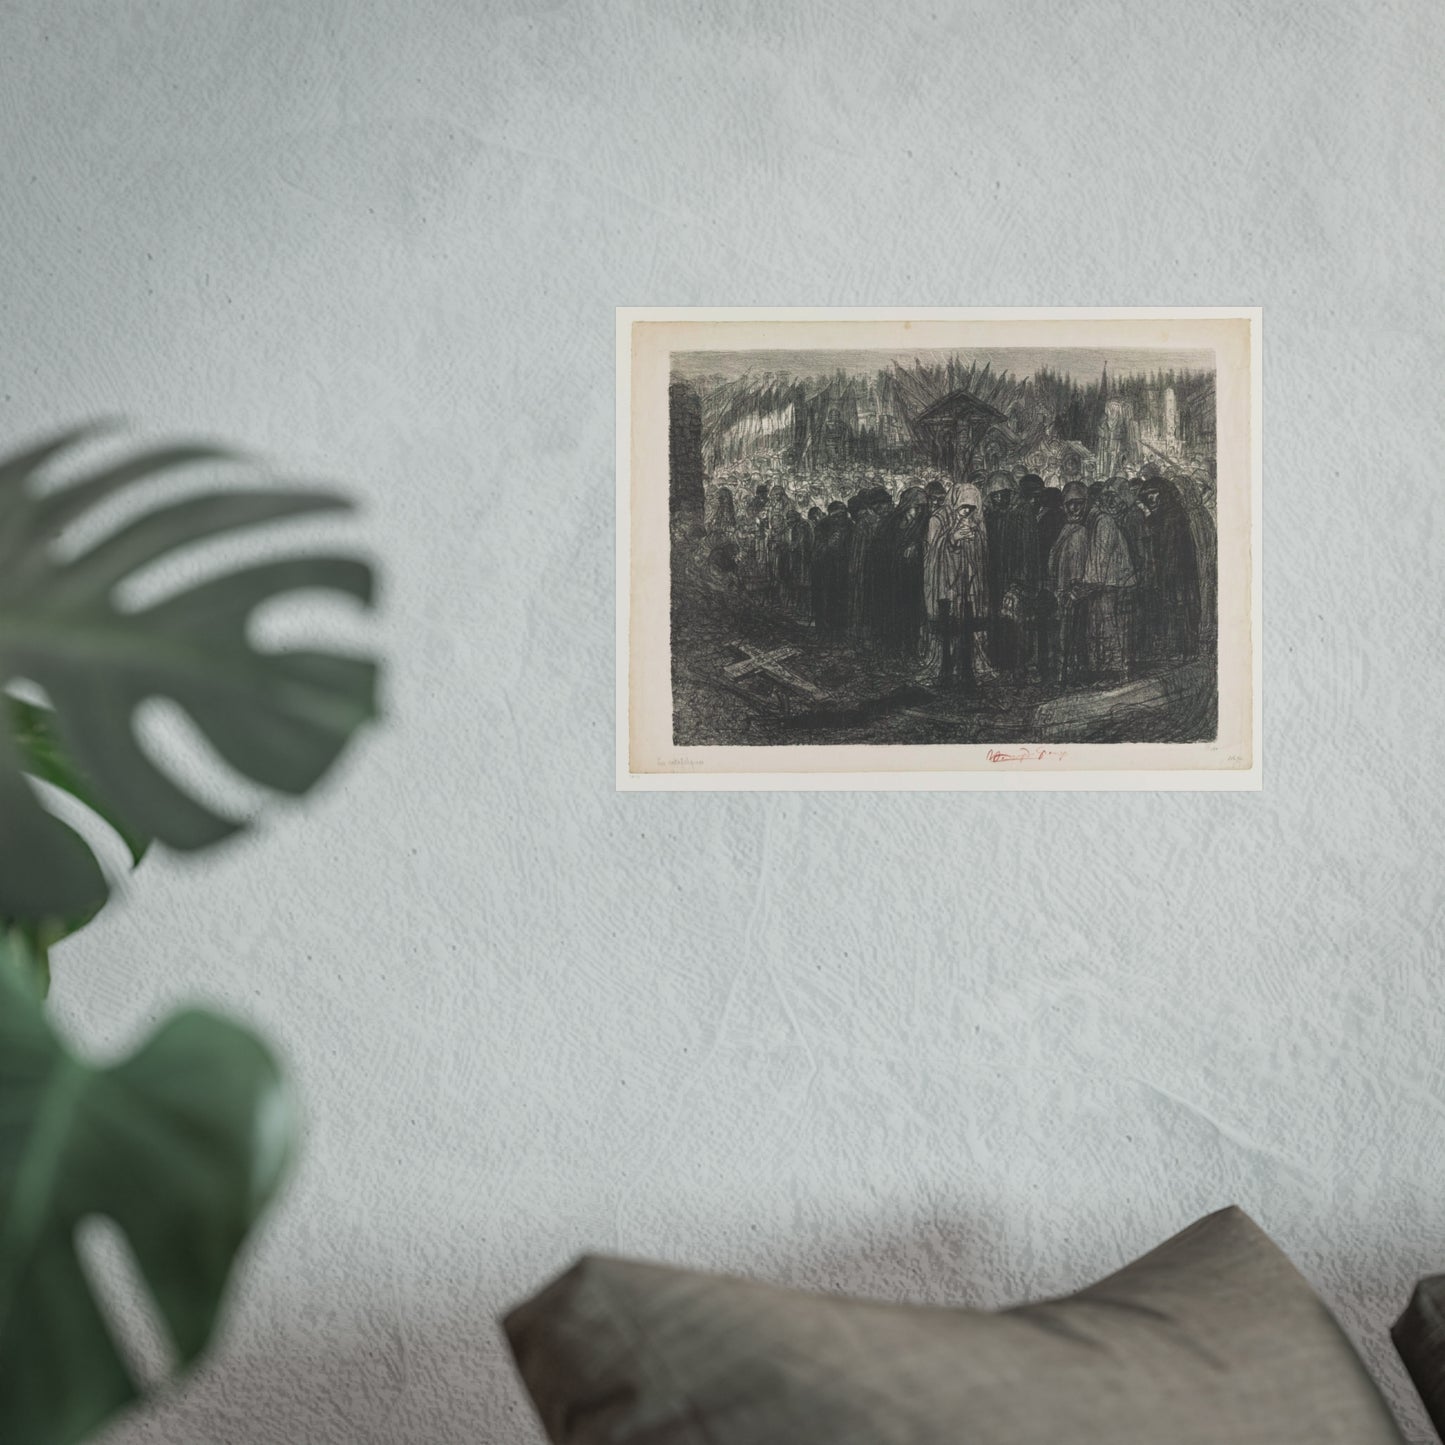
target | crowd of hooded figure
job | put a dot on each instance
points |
(1080, 583)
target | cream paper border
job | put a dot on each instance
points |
(647, 760)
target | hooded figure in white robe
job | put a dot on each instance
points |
(955, 570)
(955, 554)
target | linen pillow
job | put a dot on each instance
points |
(1213, 1338)
(1419, 1336)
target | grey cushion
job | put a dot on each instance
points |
(1212, 1337)
(1419, 1336)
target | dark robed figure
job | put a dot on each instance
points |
(1014, 573)
(901, 542)
(1170, 597)
(831, 546)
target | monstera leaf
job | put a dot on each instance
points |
(181, 1144)
(43, 755)
(33, 729)
(279, 718)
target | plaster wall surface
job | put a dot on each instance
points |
(947, 1048)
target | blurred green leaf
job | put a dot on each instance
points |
(182, 1145)
(280, 718)
(26, 957)
(38, 739)
(42, 756)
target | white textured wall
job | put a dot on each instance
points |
(952, 1048)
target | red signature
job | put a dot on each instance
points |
(1027, 755)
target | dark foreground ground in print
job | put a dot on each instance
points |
(747, 672)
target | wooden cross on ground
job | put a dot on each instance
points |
(770, 665)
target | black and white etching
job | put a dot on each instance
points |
(1013, 546)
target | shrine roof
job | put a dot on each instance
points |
(955, 406)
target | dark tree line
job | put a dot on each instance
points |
(841, 418)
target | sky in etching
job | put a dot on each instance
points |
(1082, 363)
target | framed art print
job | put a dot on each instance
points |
(938, 549)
